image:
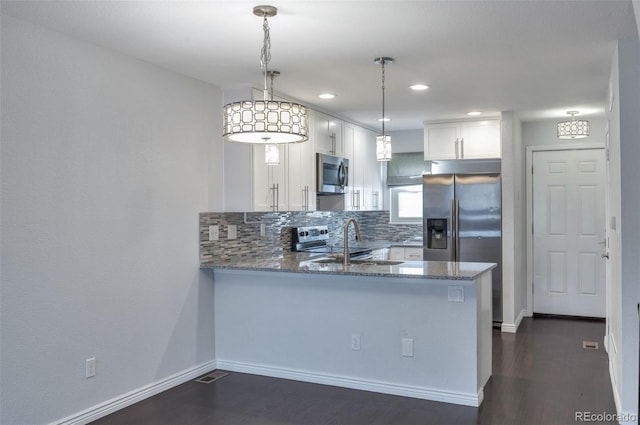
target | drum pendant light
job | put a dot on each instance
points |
(574, 129)
(265, 121)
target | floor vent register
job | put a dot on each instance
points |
(590, 345)
(211, 377)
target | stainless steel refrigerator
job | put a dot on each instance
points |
(462, 217)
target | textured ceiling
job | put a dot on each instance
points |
(539, 58)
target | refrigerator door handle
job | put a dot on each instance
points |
(454, 234)
(457, 240)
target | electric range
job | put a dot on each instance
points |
(315, 239)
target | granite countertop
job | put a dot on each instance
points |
(306, 263)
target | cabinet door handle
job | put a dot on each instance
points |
(332, 138)
(272, 189)
(462, 148)
(305, 198)
(275, 197)
(456, 145)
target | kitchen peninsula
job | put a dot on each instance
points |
(412, 328)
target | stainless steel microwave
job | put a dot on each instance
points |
(332, 174)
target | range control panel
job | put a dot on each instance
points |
(310, 234)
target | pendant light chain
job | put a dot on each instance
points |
(383, 142)
(383, 116)
(265, 55)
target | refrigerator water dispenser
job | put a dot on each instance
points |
(437, 233)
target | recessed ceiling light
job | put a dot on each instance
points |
(419, 87)
(327, 96)
(384, 119)
(474, 113)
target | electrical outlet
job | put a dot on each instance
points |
(90, 368)
(356, 342)
(407, 347)
(214, 233)
(232, 231)
(456, 294)
(263, 229)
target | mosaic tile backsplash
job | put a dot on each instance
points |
(374, 226)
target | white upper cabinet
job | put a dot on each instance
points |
(328, 134)
(372, 171)
(290, 185)
(480, 139)
(270, 192)
(462, 140)
(441, 141)
(302, 172)
(365, 176)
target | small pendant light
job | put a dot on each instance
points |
(383, 141)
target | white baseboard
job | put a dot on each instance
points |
(127, 399)
(513, 327)
(623, 418)
(614, 386)
(466, 399)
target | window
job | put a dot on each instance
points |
(406, 204)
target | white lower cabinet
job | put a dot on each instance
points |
(396, 253)
(380, 254)
(413, 254)
(399, 253)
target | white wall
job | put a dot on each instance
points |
(238, 165)
(104, 171)
(624, 205)
(545, 132)
(407, 141)
(513, 219)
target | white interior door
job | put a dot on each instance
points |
(568, 231)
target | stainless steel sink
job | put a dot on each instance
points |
(366, 262)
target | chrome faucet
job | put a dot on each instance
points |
(347, 259)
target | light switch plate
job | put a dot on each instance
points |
(456, 294)
(407, 347)
(356, 342)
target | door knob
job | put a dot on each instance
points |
(606, 255)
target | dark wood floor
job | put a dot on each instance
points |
(541, 375)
